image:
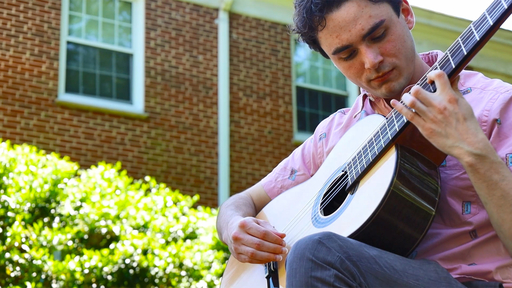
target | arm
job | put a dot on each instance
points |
(447, 120)
(249, 239)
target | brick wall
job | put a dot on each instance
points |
(261, 99)
(177, 143)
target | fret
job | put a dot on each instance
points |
(488, 18)
(450, 57)
(504, 4)
(375, 146)
(382, 142)
(474, 31)
(351, 177)
(396, 124)
(462, 46)
(358, 161)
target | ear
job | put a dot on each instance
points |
(406, 11)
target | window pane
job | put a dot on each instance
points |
(125, 12)
(301, 120)
(125, 36)
(91, 29)
(89, 83)
(89, 57)
(75, 26)
(312, 99)
(72, 81)
(109, 9)
(106, 60)
(75, 5)
(123, 64)
(106, 86)
(123, 88)
(314, 75)
(327, 78)
(73, 57)
(326, 102)
(108, 33)
(301, 98)
(340, 81)
(92, 7)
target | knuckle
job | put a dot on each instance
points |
(251, 254)
(236, 236)
(415, 90)
(258, 245)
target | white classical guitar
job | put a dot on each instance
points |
(369, 188)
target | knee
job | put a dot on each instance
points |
(314, 245)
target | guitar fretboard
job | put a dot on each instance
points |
(452, 62)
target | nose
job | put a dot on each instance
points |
(372, 57)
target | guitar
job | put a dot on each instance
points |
(380, 183)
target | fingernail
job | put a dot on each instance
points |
(279, 258)
(285, 251)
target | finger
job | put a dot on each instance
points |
(455, 83)
(248, 248)
(405, 111)
(268, 226)
(437, 76)
(409, 102)
(249, 255)
(263, 230)
(441, 80)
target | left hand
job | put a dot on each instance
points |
(444, 118)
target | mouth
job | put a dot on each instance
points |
(382, 77)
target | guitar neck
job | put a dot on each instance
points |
(456, 57)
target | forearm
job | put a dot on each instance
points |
(236, 207)
(492, 180)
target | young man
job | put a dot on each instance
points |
(470, 242)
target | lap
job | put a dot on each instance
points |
(330, 260)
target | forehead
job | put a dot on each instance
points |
(353, 19)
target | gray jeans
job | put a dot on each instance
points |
(330, 260)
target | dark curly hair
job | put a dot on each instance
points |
(309, 18)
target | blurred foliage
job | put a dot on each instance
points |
(62, 226)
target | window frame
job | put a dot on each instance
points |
(137, 51)
(352, 92)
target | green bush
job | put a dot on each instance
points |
(61, 226)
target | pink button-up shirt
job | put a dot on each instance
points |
(461, 238)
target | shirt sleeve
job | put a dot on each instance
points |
(306, 159)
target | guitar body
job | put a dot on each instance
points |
(391, 207)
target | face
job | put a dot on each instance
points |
(373, 47)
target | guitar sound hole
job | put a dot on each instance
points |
(334, 195)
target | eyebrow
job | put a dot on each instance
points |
(370, 31)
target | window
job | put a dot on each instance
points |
(102, 54)
(319, 89)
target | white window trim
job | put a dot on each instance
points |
(138, 67)
(352, 91)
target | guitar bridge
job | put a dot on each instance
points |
(272, 274)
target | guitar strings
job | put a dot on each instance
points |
(466, 35)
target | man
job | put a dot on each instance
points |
(370, 42)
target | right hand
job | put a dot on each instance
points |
(255, 241)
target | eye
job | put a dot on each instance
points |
(379, 37)
(349, 55)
